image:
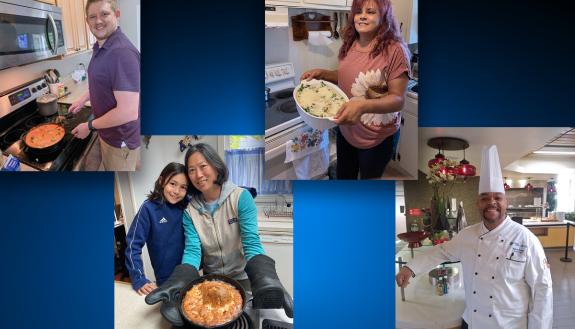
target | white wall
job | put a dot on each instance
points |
(15, 76)
(130, 20)
(280, 47)
(161, 151)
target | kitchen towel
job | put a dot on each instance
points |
(309, 153)
(319, 38)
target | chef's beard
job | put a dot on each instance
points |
(493, 221)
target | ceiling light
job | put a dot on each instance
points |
(556, 150)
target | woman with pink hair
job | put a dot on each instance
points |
(373, 72)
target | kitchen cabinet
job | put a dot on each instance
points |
(52, 2)
(75, 28)
(313, 4)
(91, 37)
(405, 12)
(407, 147)
(551, 236)
(327, 2)
(406, 152)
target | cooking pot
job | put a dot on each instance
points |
(451, 274)
(47, 104)
(214, 277)
(43, 150)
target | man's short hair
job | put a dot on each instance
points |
(113, 4)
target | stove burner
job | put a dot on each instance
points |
(270, 102)
(288, 107)
(12, 136)
(243, 322)
(285, 93)
(34, 121)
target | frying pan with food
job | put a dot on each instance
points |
(213, 277)
(44, 138)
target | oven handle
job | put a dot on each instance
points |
(276, 151)
(55, 45)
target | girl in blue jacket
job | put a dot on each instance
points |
(158, 224)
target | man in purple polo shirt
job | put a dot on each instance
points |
(114, 89)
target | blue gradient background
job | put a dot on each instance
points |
(56, 249)
(202, 67)
(498, 63)
(344, 233)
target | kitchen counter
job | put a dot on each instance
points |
(423, 308)
(76, 90)
(131, 311)
(537, 223)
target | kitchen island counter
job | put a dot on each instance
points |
(423, 308)
(530, 223)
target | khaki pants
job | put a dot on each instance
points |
(118, 159)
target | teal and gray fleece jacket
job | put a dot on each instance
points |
(222, 235)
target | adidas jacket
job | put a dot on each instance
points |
(159, 226)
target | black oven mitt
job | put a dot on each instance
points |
(267, 289)
(170, 293)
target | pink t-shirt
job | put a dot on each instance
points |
(356, 73)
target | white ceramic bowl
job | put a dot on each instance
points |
(312, 120)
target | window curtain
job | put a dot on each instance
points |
(246, 167)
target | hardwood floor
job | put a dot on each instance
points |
(563, 275)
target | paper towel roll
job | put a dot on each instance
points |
(319, 38)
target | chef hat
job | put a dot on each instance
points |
(491, 179)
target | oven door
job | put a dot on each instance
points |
(29, 33)
(275, 155)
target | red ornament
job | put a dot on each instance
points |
(506, 187)
(438, 158)
(529, 187)
(466, 169)
(414, 212)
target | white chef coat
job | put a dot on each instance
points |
(506, 276)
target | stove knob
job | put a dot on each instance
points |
(44, 84)
(33, 89)
(38, 87)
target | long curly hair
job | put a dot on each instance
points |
(387, 32)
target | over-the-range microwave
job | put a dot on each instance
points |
(29, 31)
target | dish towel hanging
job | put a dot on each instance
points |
(309, 153)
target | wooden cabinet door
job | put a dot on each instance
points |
(52, 2)
(69, 29)
(91, 37)
(80, 25)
